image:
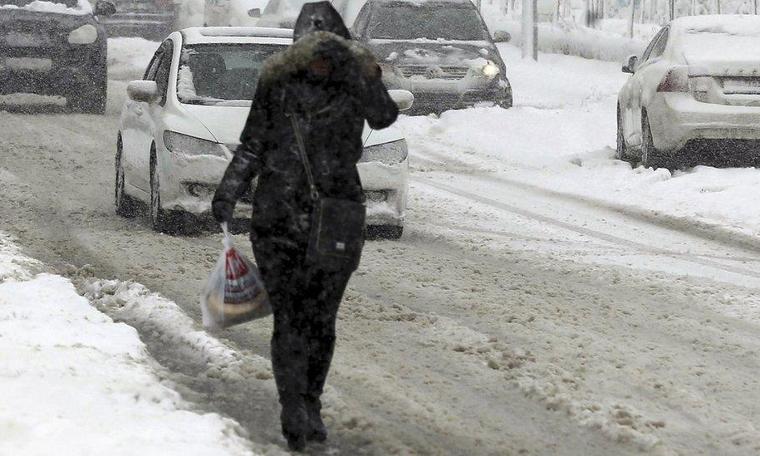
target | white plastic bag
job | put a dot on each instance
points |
(234, 292)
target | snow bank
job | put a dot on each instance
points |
(83, 7)
(191, 13)
(128, 58)
(609, 42)
(571, 39)
(138, 306)
(73, 382)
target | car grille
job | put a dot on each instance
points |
(434, 72)
(25, 34)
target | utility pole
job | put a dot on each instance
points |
(530, 29)
(672, 9)
(630, 22)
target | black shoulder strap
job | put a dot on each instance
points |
(304, 157)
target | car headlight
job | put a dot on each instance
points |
(86, 34)
(390, 153)
(490, 70)
(189, 145)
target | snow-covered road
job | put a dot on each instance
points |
(545, 298)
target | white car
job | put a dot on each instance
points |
(182, 122)
(694, 95)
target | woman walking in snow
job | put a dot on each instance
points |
(302, 140)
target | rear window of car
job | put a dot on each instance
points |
(409, 21)
(221, 74)
(731, 40)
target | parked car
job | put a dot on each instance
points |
(150, 19)
(54, 48)
(440, 50)
(694, 95)
(183, 121)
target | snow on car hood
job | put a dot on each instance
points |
(82, 7)
(225, 123)
(434, 52)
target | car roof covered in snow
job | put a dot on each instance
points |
(208, 35)
(710, 21)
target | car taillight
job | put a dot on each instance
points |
(676, 80)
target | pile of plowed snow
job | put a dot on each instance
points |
(73, 382)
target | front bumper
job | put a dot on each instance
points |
(438, 95)
(189, 181)
(386, 187)
(437, 102)
(51, 71)
(677, 120)
(189, 184)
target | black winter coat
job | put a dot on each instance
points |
(330, 85)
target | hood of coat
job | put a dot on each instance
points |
(225, 123)
(319, 17)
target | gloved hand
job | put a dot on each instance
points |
(222, 210)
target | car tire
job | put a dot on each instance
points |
(385, 232)
(621, 148)
(650, 156)
(159, 219)
(506, 103)
(126, 206)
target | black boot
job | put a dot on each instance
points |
(295, 426)
(317, 431)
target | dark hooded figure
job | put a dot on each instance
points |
(332, 85)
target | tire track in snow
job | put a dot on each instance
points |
(428, 156)
(610, 238)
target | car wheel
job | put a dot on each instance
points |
(650, 156)
(621, 149)
(158, 218)
(125, 205)
(384, 231)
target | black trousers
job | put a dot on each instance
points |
(305, 300)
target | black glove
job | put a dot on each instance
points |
(222, 210)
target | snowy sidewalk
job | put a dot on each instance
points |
(73, 382)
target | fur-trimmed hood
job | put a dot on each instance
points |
(296, 59)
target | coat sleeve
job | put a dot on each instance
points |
(379, 108)
(248, 159)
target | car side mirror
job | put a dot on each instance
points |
(630, 65)
(144, 91)
(500, 36)
(254, 12)
(104, 8)
(404, 99)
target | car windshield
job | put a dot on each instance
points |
(428, 20)
(213, 74)
(23, 3)
(736, 40)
